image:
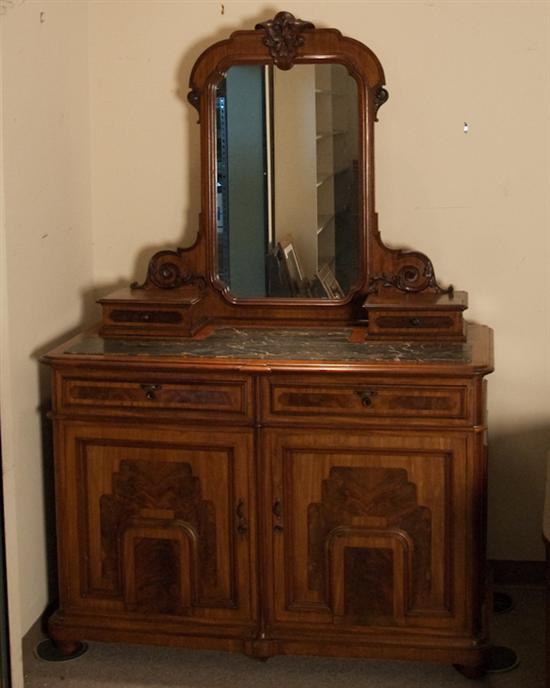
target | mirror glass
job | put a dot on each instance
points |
(287, 181)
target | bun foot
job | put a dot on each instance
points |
(62, 651)
(261, 649)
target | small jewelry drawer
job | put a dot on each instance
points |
(357, 402)
(166, 322)
(416, 324)
(194, 396)
(128, 316)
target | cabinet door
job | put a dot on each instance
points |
(369, 529)
(156, 522)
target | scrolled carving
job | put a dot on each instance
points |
(283, 37)
(168, 270)
(194, 98)
(413, 273)
(381, 95)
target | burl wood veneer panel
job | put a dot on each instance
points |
(158, 521)
(368, 530)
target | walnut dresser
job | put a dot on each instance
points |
(294, 466)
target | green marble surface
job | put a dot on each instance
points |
(269, 343)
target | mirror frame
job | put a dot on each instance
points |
(284, 42)
(182, 293)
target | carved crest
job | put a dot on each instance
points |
(283, 37)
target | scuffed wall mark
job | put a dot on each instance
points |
(42, 17)
(7, 5)
(222, 8)
(44, 236)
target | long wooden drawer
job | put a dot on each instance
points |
(361, 400)
(193, 396)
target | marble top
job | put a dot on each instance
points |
(278, 344)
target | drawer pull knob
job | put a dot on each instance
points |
(278, 516)
(415, 322)
(366, 397)
(242, 523)
(150, 391)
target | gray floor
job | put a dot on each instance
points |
(117, 666)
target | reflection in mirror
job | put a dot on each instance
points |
(287, 181)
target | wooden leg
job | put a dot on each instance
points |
(261, 649)
(68, 648)
(62, 652)
(60, 645)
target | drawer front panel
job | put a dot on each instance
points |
(416, 324)
(137, 316)
(126, 320)
(195, 397)
(357, 402)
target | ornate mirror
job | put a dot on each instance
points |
(286, 114)
(288, 228)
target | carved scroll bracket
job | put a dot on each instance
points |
(283, 37)
(194, 98)
(412, 272)
(381, 95)
(169, 270)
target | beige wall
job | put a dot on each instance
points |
(143, 135)
(46, 258)
(465, 199)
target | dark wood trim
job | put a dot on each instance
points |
(5, 659)
(546, 539)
